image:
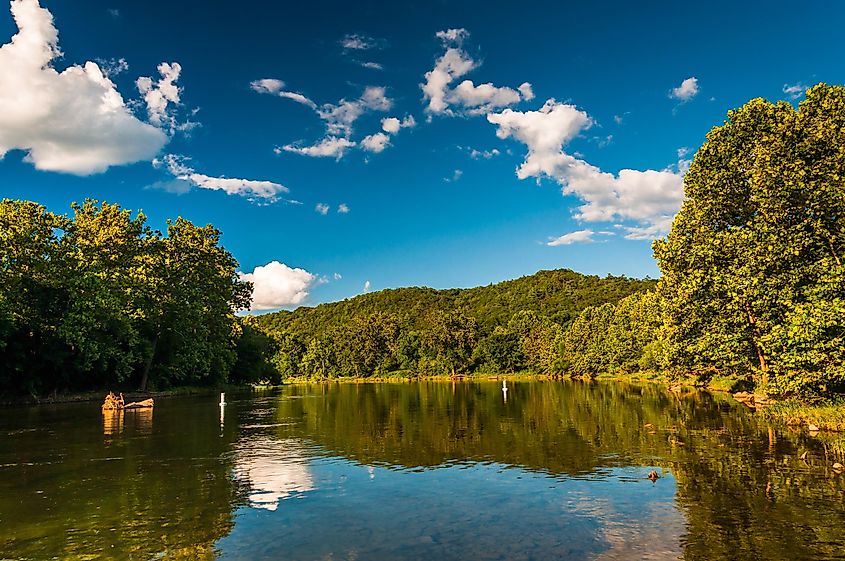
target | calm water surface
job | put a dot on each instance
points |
(547, 470)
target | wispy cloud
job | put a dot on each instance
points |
(794, 91)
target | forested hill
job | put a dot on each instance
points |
(559, 295)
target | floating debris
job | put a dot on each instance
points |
(116, 403)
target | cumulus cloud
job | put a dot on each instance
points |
(544, 132)
(343, 208)
(275, 285)
(392, 125)
(322, 208)
(794, 91)
(375, 143)
(466, 97)
(686, 91)
(73, 121)
(371, 65)
(579, 236)
(648, 198)
(254, 190)
(329, 147)
(367, 286)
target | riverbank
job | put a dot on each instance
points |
(827, 415)
(132, 395)
(407, 378)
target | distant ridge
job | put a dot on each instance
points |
(559, 294)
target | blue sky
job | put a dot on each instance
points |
(524, 115)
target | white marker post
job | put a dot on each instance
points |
(505, 390)
(222, 408)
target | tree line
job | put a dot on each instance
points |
(752, 288)
(98, 299)
(752, 285)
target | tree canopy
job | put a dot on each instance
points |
(99, 299)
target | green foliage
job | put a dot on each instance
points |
(100, 300)
(508, 327)
(752, 271)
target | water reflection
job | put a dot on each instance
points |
(272, 470)
(417, 471)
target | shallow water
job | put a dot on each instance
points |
(546, 470)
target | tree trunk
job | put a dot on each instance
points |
(755, 334)
(146, 375)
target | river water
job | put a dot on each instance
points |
(427, 471)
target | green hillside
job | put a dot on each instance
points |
(559, 295)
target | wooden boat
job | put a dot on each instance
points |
(116, 403)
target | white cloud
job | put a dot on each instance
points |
(340, 117)
(544, 132)
(249, 188)
(485, 154)
(367, 286)
(453, 64)
(267, 85)
(343, 208)
(649, 198)
(337, 276)
(159, 94)
(73, 121)
(329, 147)
(456, 175)
(275, 285)
(687, 90)
(322, 208)
(579, 236)
(794, 91)
(372, 65)
(375, 143)
(275, 87)
(113, 66)
(527, 91)
(254, 190)
(452, 35)
(466, 97)
(392, 125)
(356, 42)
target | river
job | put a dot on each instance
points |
(431, 470)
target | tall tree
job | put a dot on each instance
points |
(755, 254)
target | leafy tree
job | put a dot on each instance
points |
(450, 339)
(33, 297)
(585, 349)
(499, 352)
(538, 340)
(754, 256)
